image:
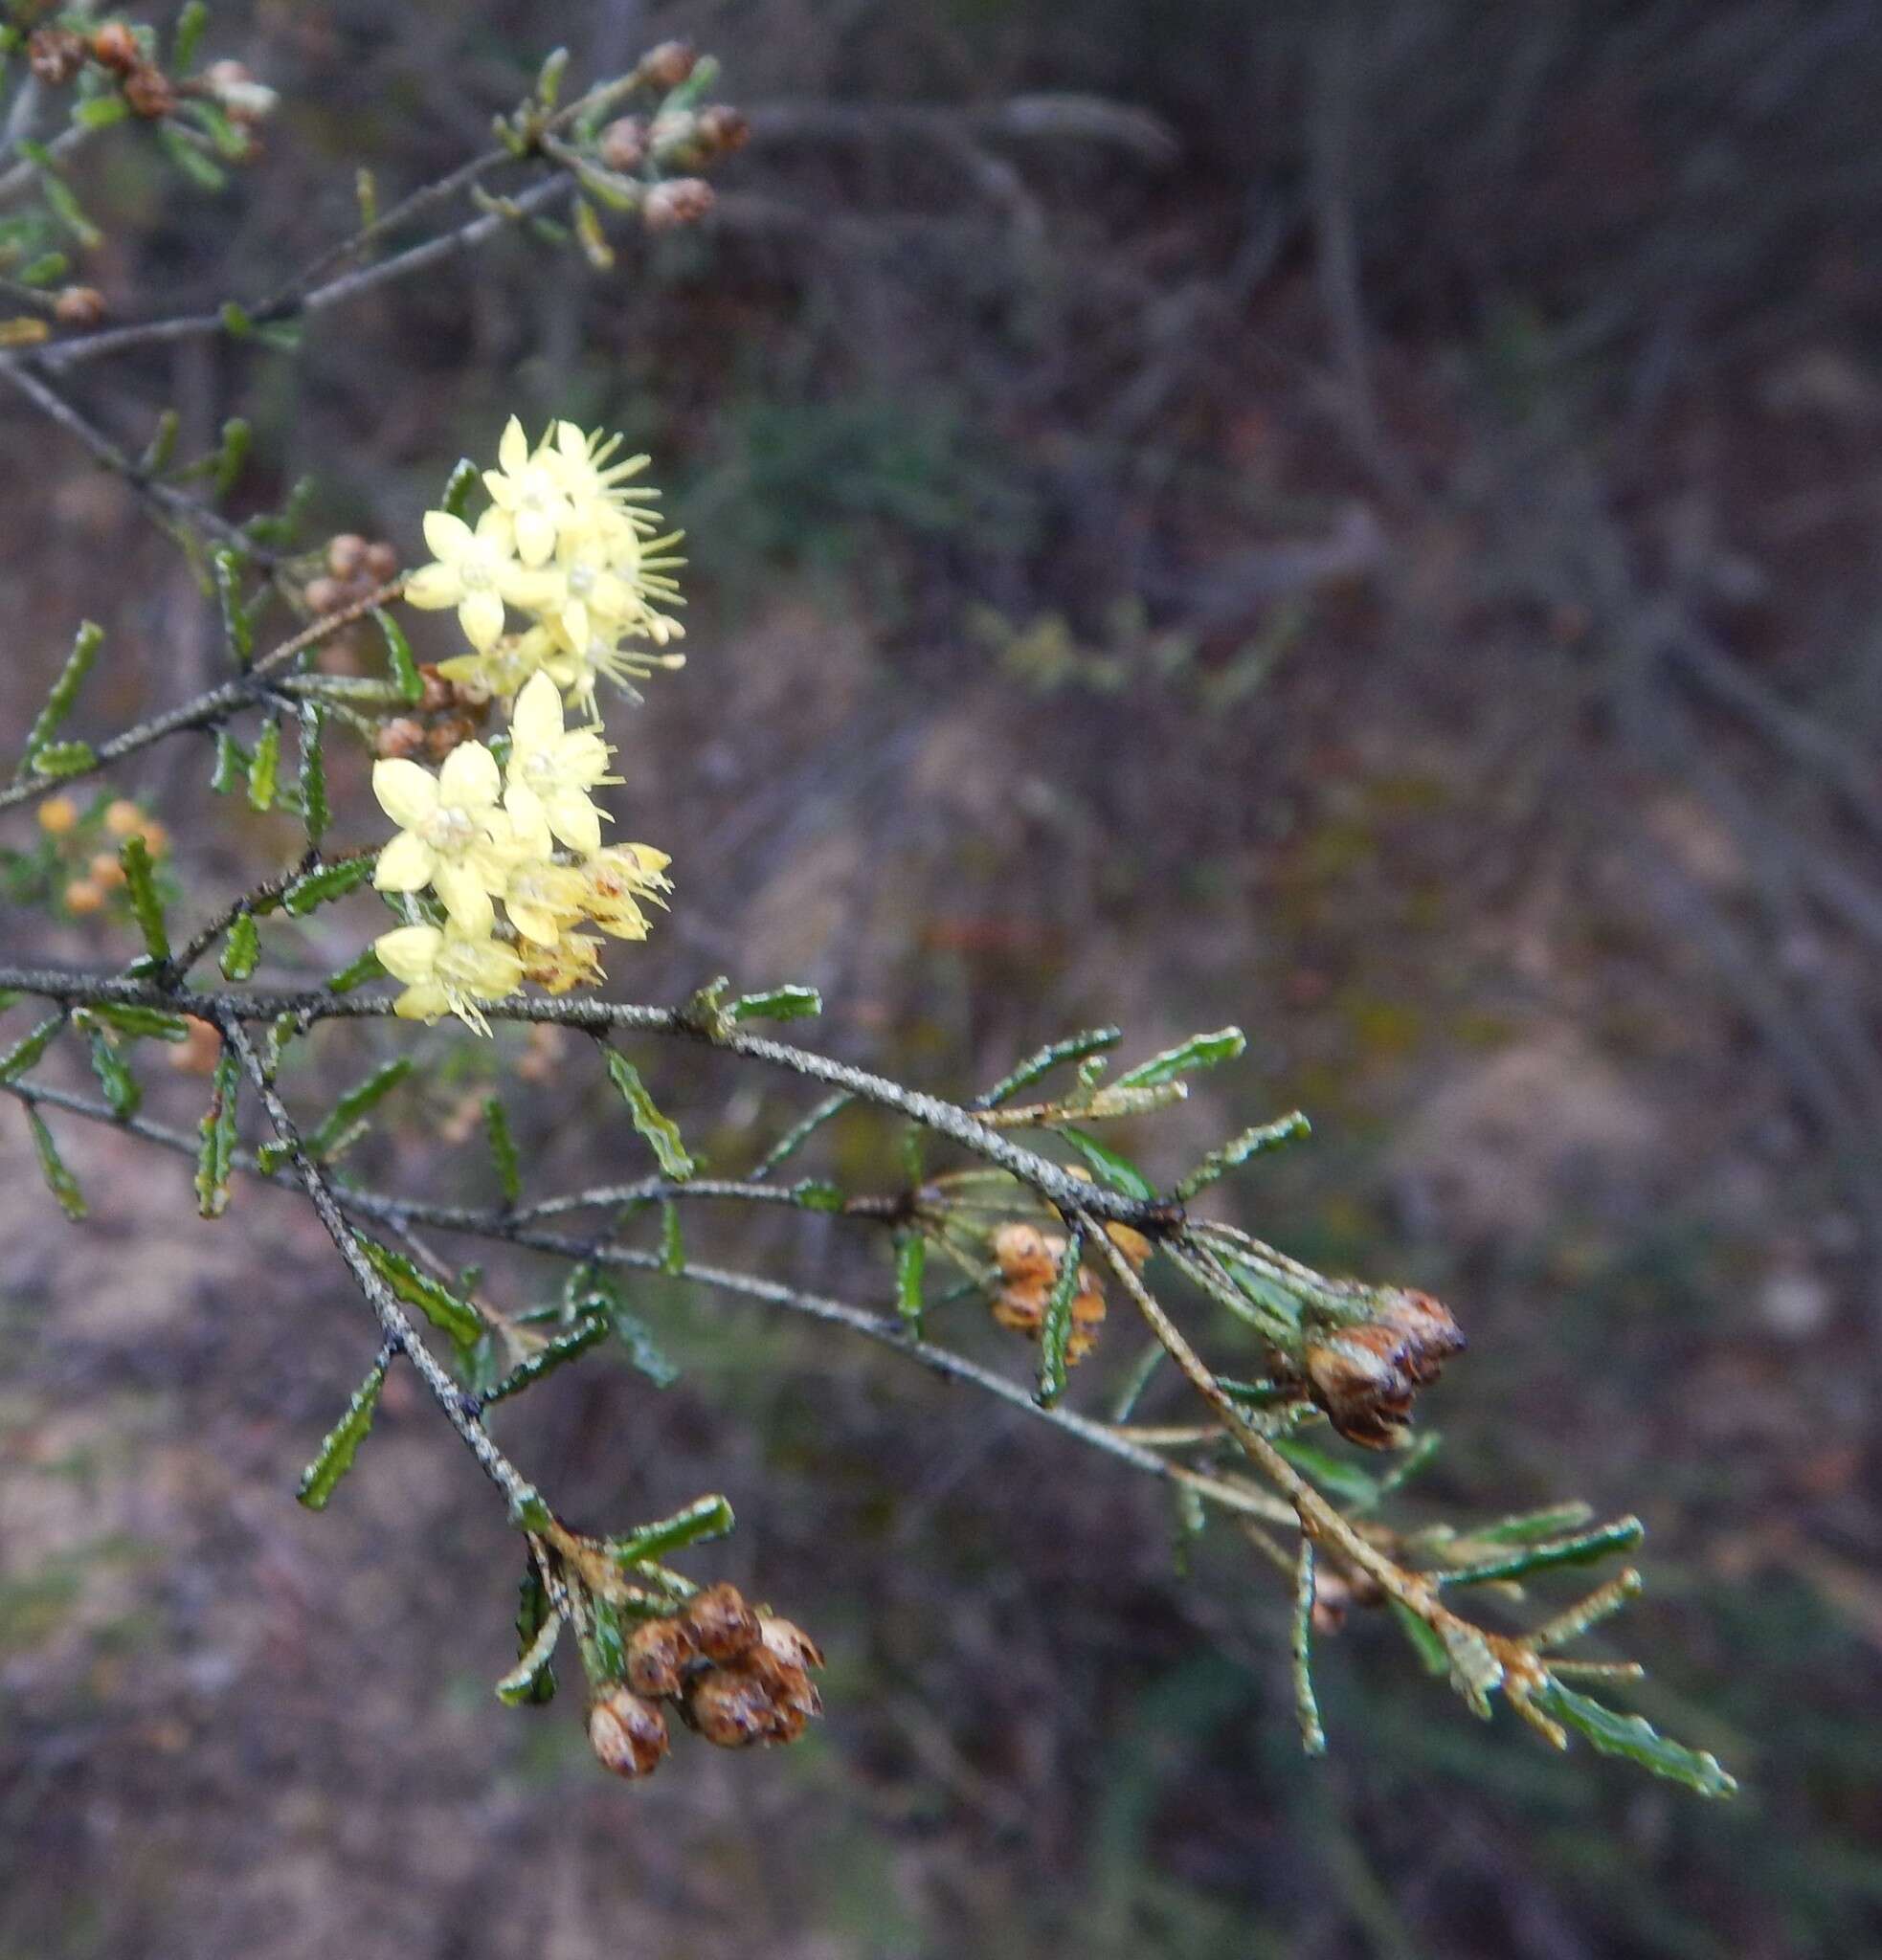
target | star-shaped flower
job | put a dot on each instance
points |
(452, 836)
(551, 773)
(447, 971)
(475, 571)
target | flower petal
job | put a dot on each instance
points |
(465, 900)
(448, 537)
(575, 819)
(406, 794)
(409, 952)
(533, 920)
(536, 720)
(434, 587)
(536, 535)
(426, 1001)
(469, 777)
(525, 813)
(513, 450)
(482, 616)
(497, 971)
(405, 865)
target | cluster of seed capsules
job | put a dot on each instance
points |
(735, 1675)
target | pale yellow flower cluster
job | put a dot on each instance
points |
(569, 544)
(565, 542)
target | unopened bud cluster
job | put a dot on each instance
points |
(351, 570)
(82, 847)
(57, 55)
(1028, 1259)
(735, 1675)
(1365, 1376)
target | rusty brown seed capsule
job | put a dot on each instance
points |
(55, 55)
(149, 92)
(402, 737)
(722, 1626)
(115, 47)
(669, 64)
(679, 201)
(623, 144)
(79, 306)
(627, 1734)
(658, 1652)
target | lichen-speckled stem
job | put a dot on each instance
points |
(1052, 1181)
(458, 1408)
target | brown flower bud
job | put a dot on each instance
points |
(788, 1643)
(381, 563)
(668, 65)
(722, 129)
(1357, 1376)
(1428, 1334)
(623, 144)
(79, 306)
(106, 871)
(722, 1625)
(198, 1052)
(123, 818)
(439, 693)
(444, 736)
(55, 55)
(58, 814)
(346, 555)
(1132, 1244)
(1028, 1260)
(324, 595)
(757, 1700)
(679, 201)
(400, 738)
(627, 1734)
(115, 47)
(149, 92)
(656, 1657)
(82, 896)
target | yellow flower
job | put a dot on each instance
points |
(574, 960)
(616, 879)
(476, 572)
(542, 899)
(551, 773)
(447, 971)
(452, 834)
(531, 491)
(592, 482)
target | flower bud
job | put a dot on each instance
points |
(627, 1734)
(623, 144)
(123, 818)
(442, 737)
(400, 738)
(679, 201)
(1428, 1334)
(722, 1625)
(200, 1050)
(381, 563)
(346, 555)
(243, 98)
(58, 814)
(55, 55)
(149, 92)
(759, 1699)
(668, 65)
(79, 306)
(1357, 1376)
(656, 1655)
(439, 693)
(326, 596)
(722, 129)
(106, 871)
(115, 47)
(82, 896)
(788, 1643)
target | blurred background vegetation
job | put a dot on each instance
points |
(1371, 535)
